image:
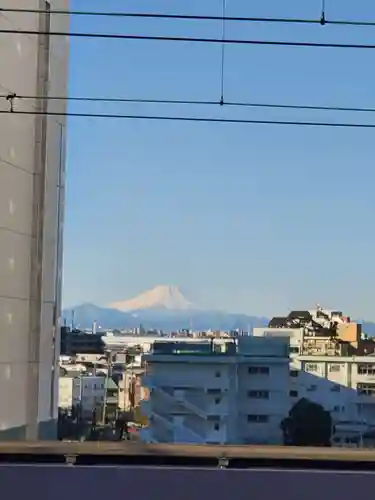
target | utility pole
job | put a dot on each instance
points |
(109, 367)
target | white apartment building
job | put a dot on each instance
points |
(344, 385)
(32, 158)
(217, 393)
(88, 392)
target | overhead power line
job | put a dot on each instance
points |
(195, 119)
(119, 36)
(239, 104)
(151, 15)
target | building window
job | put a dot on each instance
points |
(294, 373)
(293, 394)
(294, 350)
(259, 419)
(336, 408)
(311, 367)
(217, 374)
(366, 369)
(213, 418)
(217, 427)
(264, 370)
(258, 394)
(217, 401)
(366, 389)
(335, 367)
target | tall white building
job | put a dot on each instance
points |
(32, 157)
(217, 393)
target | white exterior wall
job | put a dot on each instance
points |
(215, 398)
(296, 335)
(317, 382)
(89, 392)
(337, 382)
(331, 381)
(30, 275)
(65, 392)
(252, 401)
(207, 389)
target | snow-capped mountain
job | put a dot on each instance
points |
(159, 298)
(164, 307)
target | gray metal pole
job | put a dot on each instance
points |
(109, 364)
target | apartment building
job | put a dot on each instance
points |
(32, 157)
(86, 392)
(325, 367)
(218, 393)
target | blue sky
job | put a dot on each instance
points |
(246, 218)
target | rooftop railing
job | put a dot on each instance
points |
(227, 456)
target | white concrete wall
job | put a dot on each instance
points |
(263, 394)
(206, 375)
(89, 392)
(66, 392)
(27, 318)
(190, 392)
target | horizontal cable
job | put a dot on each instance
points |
(192, 119)
(194, 103)
(191, 39)
(151, 15)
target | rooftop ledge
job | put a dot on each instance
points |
(128, 453)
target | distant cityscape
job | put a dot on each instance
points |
(306, 378)
(164, 308)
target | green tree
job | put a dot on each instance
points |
(308, 424)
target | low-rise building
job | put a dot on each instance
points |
(210, 392)
(131, 390)
(84, 392)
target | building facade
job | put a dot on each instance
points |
(328, 368)
(217, 393)
(32, 158)
(85, 392)
(131, 391)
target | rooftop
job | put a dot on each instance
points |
(243, 346)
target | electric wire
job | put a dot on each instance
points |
(193, 103)
(227, 41)
(152, 15)
(193, 119)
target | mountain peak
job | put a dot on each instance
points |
(159, 297)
